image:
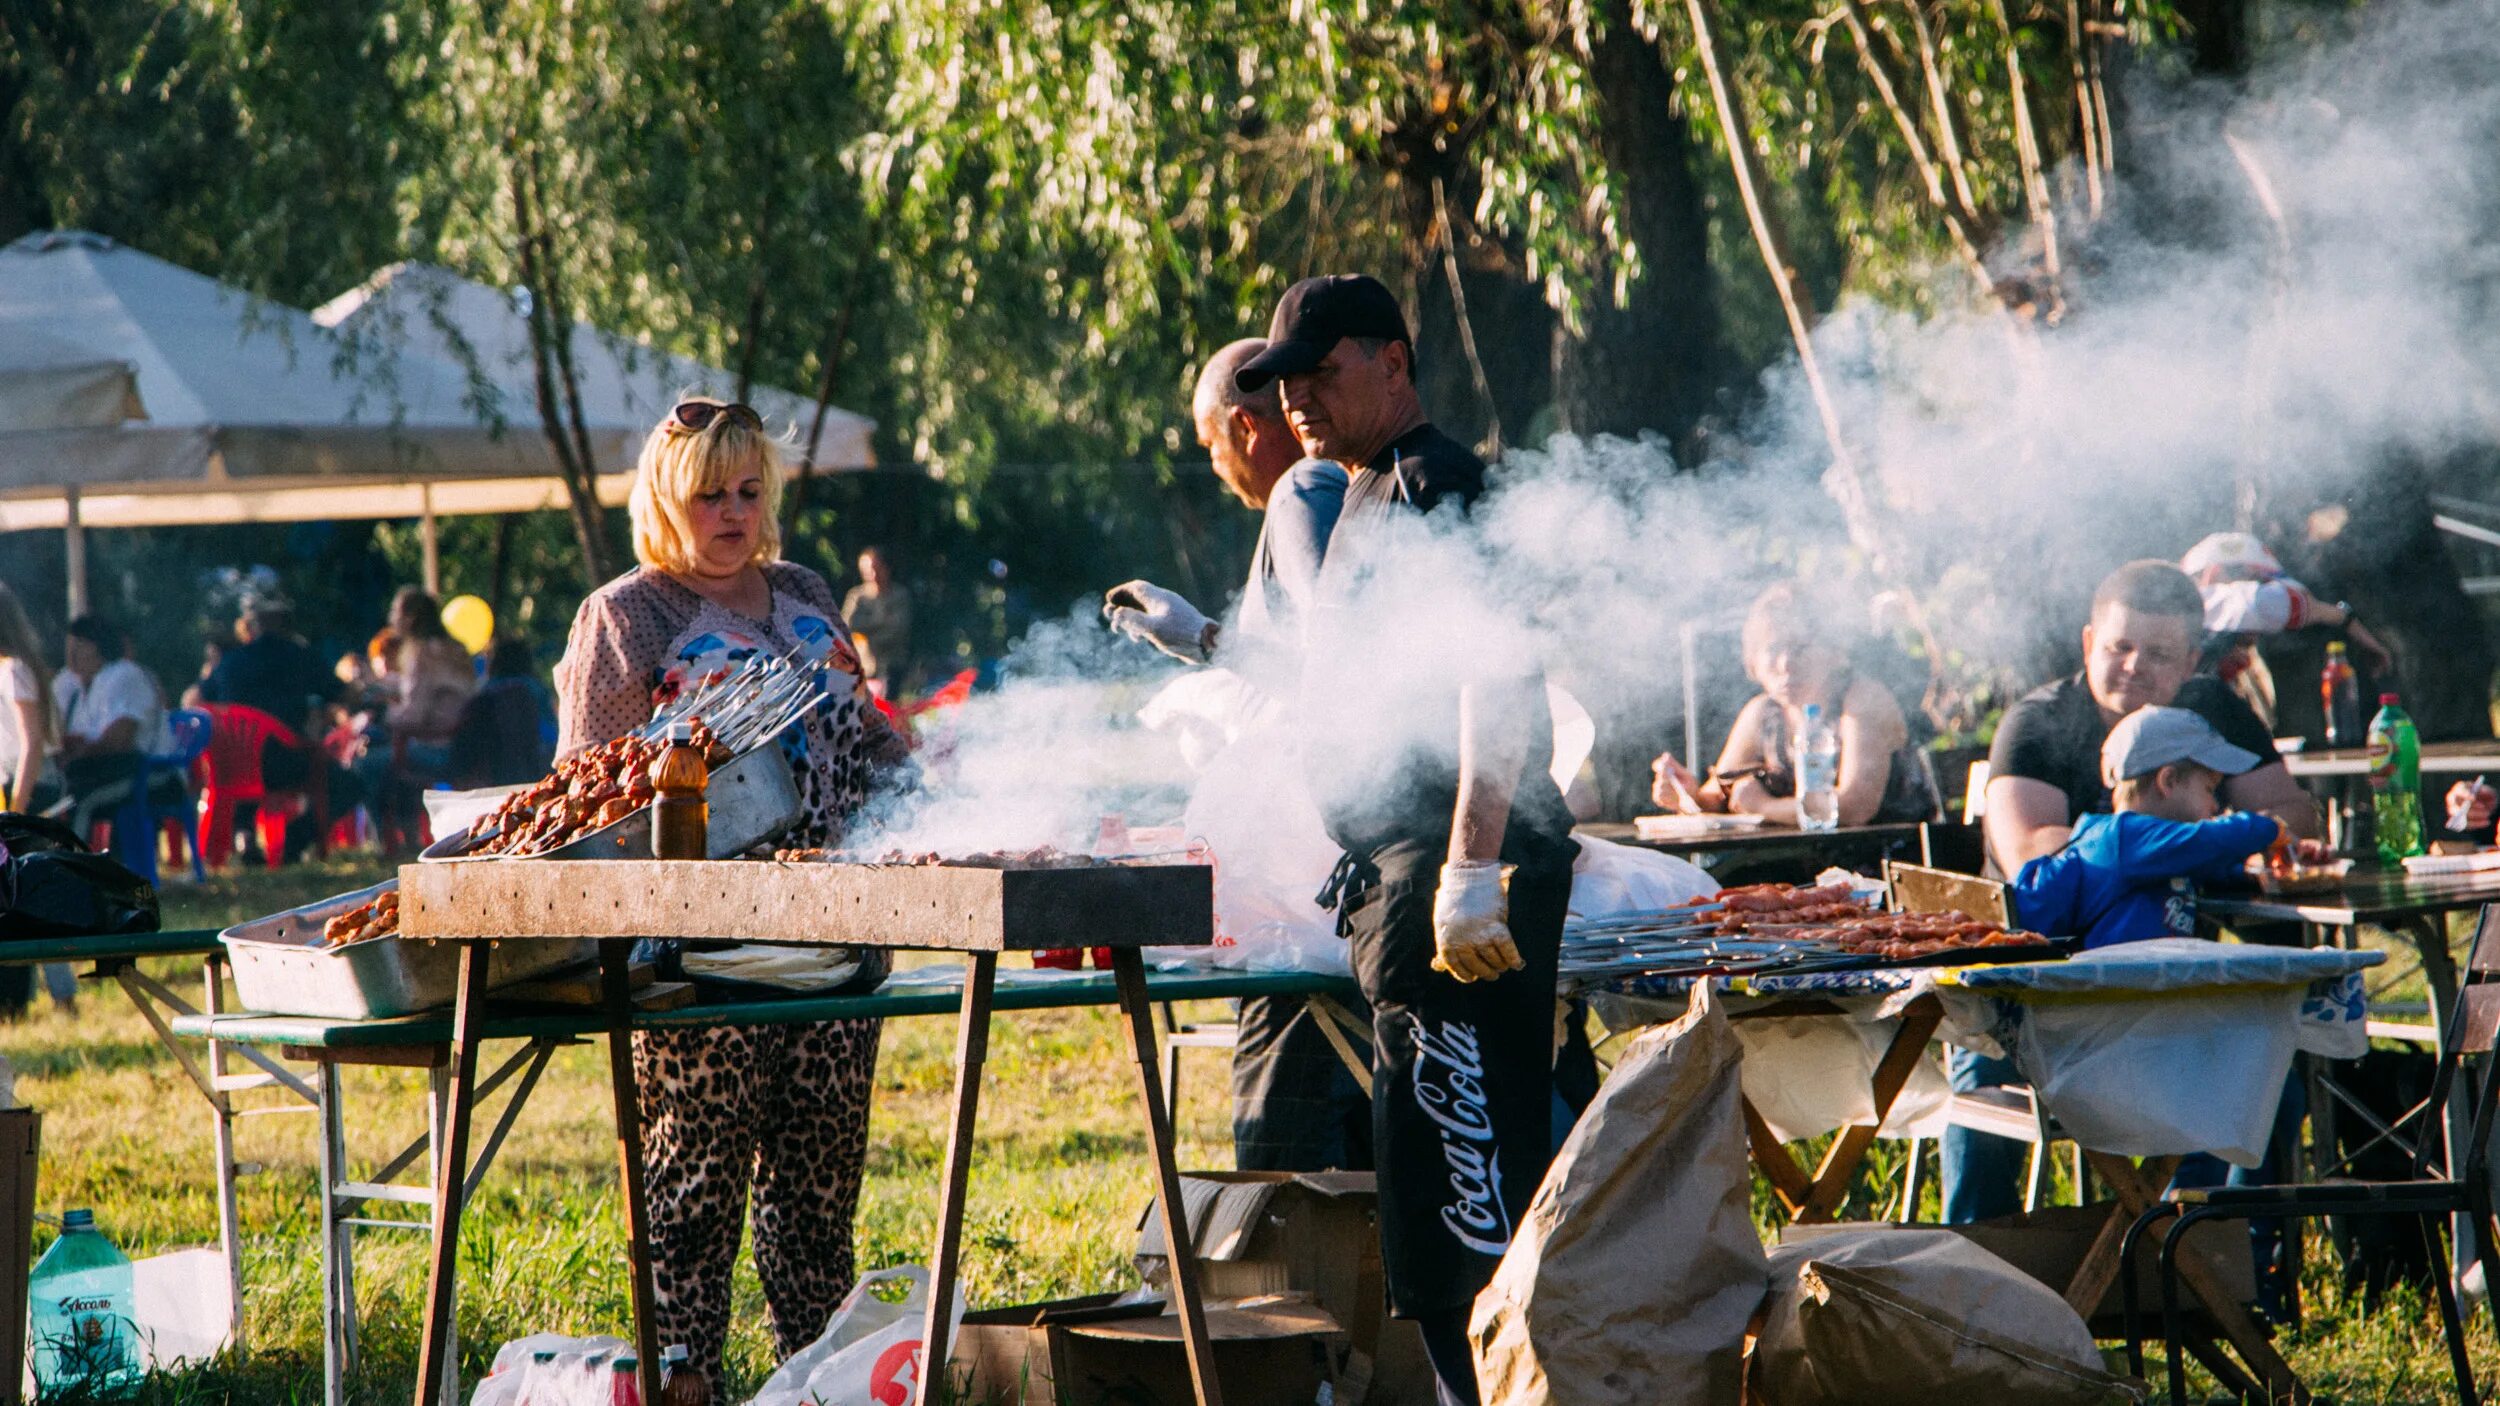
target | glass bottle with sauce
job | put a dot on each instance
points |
(679, 814)
(2339, 691)
(680, 1384)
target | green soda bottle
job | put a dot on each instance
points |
(2396, 781)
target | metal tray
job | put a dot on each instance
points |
(281, 968)
(753, 799)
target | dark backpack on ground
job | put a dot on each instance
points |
(52, 885)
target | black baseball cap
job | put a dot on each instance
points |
(1315, 315)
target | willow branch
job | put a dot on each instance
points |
(2035, 174)
(2087, 120)
(1947, 115)
(1847, 484)
(1458, 305)
(1959, 218)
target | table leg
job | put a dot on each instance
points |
(221, 1111)
(616, 990)
(972, 1048)
(1892, 1074)
(1130, 966)
(338, 1294)
(2429, 936)
(438, 1369)
(1811, 1199)
(2136, 1188)
(1336, 1022)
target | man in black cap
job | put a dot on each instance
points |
(1434, 776)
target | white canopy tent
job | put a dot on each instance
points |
(48, 384)
(430, 311)
(254, 412)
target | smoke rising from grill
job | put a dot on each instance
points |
(2290, 291)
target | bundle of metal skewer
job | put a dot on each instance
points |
(750, 703)
(1683, 942)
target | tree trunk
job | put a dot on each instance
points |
(1654, 362)
(1511, 323)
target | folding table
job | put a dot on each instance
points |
(617, 902)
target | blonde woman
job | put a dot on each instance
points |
(29, 733)
(783, 1108)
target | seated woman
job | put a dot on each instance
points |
(1800, 659)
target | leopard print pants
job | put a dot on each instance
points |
(781, 1107)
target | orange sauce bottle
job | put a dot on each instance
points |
(679, 814)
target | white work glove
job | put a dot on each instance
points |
(1471, 922)
(1144, 611)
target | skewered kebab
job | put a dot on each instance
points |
(1818, 928)
(377, 916)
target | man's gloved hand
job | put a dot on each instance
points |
(1471, 922)
(1144, 611)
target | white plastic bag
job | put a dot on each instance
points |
(1609, 878)
(577, 1369)
(1272, 854)
(871, 1350)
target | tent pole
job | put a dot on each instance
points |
(74, 552)
(431, 538)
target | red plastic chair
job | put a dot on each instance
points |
(230, 776)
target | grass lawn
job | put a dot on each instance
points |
(1058, 1181)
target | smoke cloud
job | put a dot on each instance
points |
(2290, 290)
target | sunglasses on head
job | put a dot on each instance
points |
(698, 415)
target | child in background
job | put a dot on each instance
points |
(2132, 875)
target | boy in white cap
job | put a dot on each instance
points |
(2132, 875)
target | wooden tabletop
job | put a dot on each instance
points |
(2369, 895)
(2438, 759)
(944, 907)
(1849, 840)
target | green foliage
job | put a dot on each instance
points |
(1007, 230)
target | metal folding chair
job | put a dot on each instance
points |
(2455, 1191)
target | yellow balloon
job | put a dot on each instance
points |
(470, 621)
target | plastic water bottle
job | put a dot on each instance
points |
(2396, 781)
(1818, 772)
(79, 1302)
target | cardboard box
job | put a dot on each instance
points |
(1095, 1352)
(2049, 1245)
(21, 1136)
(1315, 1234)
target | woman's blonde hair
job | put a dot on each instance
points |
(677, 464)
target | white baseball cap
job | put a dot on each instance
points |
(2149, 739)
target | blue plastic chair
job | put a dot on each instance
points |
(136, 823)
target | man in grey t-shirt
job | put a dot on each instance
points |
(1295, 1108)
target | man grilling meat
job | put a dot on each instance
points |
(1295, 1108)
(1433, 776)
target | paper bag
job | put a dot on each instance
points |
(1631, 1279)
(1896, 1317)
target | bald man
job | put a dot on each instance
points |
(1258, 458)
(1295, 1108)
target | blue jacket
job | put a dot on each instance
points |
(2129, 877)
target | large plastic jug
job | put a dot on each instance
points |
(80, 1332)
